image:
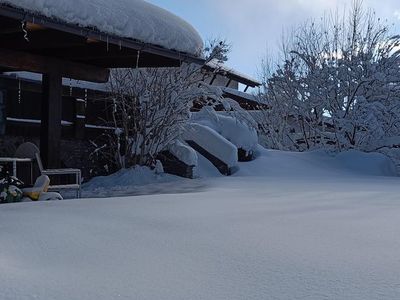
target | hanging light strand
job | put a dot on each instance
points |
(86, 97)
(19, 91)
(70, 87)
(23, 26)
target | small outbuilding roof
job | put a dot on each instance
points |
(133, 19)
(220, 68)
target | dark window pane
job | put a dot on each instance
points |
(2, 114)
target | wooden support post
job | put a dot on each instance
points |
(50, 131)
(213, 79)
(80, 118)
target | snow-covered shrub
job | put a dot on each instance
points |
(151, 107)
(9, 192)
(337, 87)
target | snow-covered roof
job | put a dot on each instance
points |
(215, 64)
(134, 19)
(241, 94)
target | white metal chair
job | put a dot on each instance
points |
(52, 172)
(27, 150)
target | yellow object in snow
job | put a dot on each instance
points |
(41, 186)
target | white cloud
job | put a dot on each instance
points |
(252, 26)
(255, 25)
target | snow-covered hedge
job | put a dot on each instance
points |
(235, 131)
(213, 142)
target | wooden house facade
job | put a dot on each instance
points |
(85, 111)
(47, 111)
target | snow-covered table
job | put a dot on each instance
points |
(14, 161)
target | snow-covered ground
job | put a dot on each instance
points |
(286, 226)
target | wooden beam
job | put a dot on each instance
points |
(50, 129)
(21, 61)
(17, 28)
(42, 39)
(34, 27)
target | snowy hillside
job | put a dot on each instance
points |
(286, 226)
(317, 164)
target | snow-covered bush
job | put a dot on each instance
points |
(152, 105)
(9, 192)
(337, 87)
(150, 108)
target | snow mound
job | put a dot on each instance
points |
(272, 163)
(133, 181)
(213, 142)
(133, 176)
(374, 164)
(184, 153)
(205, 169)
(238, 133)
(135, 19)
(139, 181)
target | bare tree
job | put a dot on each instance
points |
(150, 106)
(338, 85)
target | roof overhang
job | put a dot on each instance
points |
(42, 37)
(219, 68)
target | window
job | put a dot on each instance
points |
(2, 113)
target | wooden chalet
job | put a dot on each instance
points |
(48, 108)
(229, 80)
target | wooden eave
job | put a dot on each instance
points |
(232, 76)
(65, 42)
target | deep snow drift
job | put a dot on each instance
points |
(135, 19)
(303, 226)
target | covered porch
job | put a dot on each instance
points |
(57, 49)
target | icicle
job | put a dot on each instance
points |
(120, 45)
(114, 105)
(23, 26)
(108, 45)
(70, 87)
(86, 97)
(19, 91)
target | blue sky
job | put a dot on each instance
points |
(254, 27)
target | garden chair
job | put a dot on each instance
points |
(53, 172)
